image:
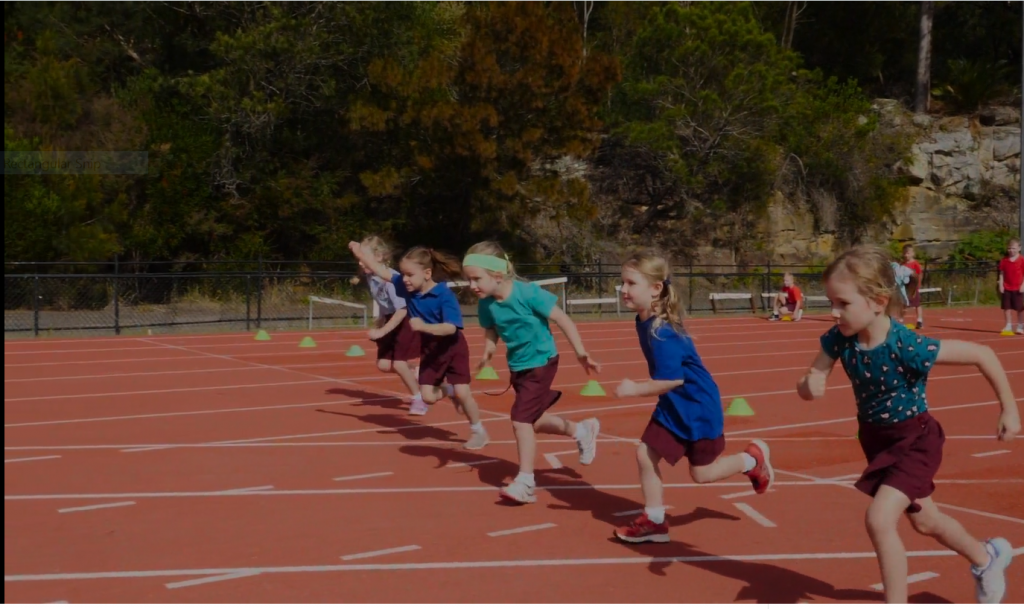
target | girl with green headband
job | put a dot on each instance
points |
(518, 313)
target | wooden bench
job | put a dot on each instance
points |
(924, 291)
(714, 298)
(598, 301)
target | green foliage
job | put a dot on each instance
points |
(979, 246)
(285, 130)
(970, 84)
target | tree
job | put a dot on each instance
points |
(923, 84)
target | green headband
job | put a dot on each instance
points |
(486, 262)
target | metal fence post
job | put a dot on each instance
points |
(35, 305)
(259, 296)
(248, 302)
(117, 297)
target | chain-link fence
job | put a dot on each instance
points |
(232, 296)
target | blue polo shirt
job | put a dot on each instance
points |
(438, 306)
(888, 381)
(692, 411)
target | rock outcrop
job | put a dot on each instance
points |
(964, 175)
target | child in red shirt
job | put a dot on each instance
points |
(1011, 285)
(914, 289)
(789, 301)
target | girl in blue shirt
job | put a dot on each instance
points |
(518, 313)
(688, 420)
(435, 313)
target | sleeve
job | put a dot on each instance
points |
(831, 342)
(919, 352)
(539, 300)
(397, 301)
(451, 312)
(399, 285)
(484, 314)
(668, 350)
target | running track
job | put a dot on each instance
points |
(183, 469)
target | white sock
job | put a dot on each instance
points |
(418, 396)
(655, 515)
(477, 427)
(526, 479)
(449, 389)
(748, 463)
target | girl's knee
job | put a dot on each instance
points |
(700, 475)
(644, 456)
(925, 524)
(384, 365)
(879, 520)
(430, 395)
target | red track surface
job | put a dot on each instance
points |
(226, 412)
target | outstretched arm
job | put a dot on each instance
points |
(369, 261)
(812, 385)
(569, 329)
(963, 353)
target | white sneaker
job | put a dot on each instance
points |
(991, 582)
(477, 440)
(520, 492)
(418, 407)
(588, 443)
(1020, 328)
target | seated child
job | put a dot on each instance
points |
(789, 301)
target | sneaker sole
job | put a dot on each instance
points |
(767, 463)
(597, 430)
(502, 495)
(655, 538)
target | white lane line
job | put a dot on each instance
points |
(754, 515)
(992, 454)
(536, 527)
(211, 579)
(380, 552)
(913, 579)
(363, 476)
(31, 459)
(100, 506)
(242, 491)
(743, 494)
(636, 512)
(473, 463)
(462, 566)
(554, 462)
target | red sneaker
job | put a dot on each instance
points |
(762, 476)
(642, 529)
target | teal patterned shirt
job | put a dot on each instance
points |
(889, 380)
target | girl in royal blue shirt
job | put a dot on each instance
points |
(688, 420)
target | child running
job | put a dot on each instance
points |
(914, 299)
(1011, 286)
(888, 365)
(688, 420)
(518, 313)
(434, 313)
(397, 342)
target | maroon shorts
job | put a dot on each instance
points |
(914, 301)
(905, 456)
(1013, 300)
(672, 448)
(444, 358)
(399, 345)
(791, 306)
(533, 392)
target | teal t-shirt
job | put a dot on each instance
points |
(521, 320)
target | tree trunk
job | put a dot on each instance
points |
(922, 96)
